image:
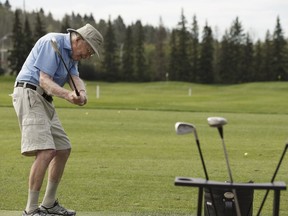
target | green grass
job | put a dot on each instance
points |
(126, 154)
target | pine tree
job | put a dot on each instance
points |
(127, 66)
(119, 29)
(110, 61)
(258, 63)
(247, 69)
(7, 5)
(183, 50)
(279, 54)
(16, 56)
(65, 24)
(237, 41)
(268, 74)
(140, 61)
(195, 50)
(173, 60)
(205, 74)
(231, 57)
(225, 59)
(159, 61)
(39, 30)
(28, 38)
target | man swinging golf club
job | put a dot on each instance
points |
(52, 62)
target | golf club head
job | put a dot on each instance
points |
(216, 121)
(54, 45)
(185, 128)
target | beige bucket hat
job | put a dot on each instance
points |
(91, 35)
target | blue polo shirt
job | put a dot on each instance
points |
(43, 58)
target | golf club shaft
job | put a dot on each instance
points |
(206, 176)
(56, 49)
(238, 212)
(202, 160)
(272, 180)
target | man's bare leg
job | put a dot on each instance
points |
(56, 170)
(37, 174)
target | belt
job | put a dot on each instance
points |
(35, 88)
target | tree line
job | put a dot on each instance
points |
(138, 53)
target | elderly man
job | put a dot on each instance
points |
(42, 76)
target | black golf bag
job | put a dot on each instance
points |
(225, 203)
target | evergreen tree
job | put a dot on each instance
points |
(258, 63)
(119, 29)
(28, 38)
(173, 60)
(39, 27)
(16, 56)
(225, 60)
(140, 61)
(65, 24)
(77, 20)
(183, 50)
(127, 67)
(247, 69)
(231, 57)
(279, 54)
(237, 41)
(194, 52)
(7, 5)
(159, 60)
(268, 74)
(206, 57)
(110, 61)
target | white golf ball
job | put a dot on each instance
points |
(245, 154)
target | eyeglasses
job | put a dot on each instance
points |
(89, 50)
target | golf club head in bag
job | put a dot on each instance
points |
(218, 122)
(185, 128)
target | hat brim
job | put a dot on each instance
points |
(92, 46)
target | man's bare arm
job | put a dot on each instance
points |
(52, 88)
(80, 87)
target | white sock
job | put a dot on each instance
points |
(50, 194)
(32, 202)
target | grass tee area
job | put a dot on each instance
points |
(126, 153)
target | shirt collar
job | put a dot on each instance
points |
(67, 43)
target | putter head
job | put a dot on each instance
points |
(216, 121)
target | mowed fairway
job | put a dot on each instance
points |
(126, 154)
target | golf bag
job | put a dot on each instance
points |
(225, 204)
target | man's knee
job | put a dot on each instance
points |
(64, 153)
(46, 155)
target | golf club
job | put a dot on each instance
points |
(56, 49)
(185, 128)
(219, 122)
(272, 180)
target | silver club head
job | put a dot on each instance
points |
(216, 121)
(184, 128)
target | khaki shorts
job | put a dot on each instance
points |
(39, 124)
